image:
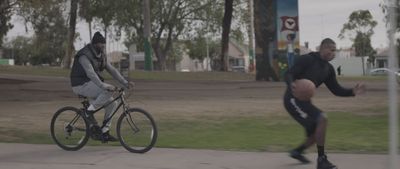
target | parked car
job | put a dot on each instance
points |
(382, 71)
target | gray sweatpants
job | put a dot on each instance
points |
(98, 97)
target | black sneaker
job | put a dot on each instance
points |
(106, 137)
(95, 132)
(323, 163)
(90, 117)
(299, 156)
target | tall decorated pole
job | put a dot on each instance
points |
(276, 37)
(288, 41)
(148, 66)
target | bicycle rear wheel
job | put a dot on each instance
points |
(68, 129)
(136, 130)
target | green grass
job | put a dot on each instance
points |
(34, 70)
(185, 76)
(135, 75)
(346, 133)
(156, 75)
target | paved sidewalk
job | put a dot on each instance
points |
(27, 156)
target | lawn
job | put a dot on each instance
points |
(135, 75)
(347, 132)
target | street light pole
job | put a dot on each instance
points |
(147, 47)
(392, 86)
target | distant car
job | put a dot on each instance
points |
(185, 70)
(382, 71)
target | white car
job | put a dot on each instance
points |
(382, 71)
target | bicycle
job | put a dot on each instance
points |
(136, 130)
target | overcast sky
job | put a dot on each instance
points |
(318, 19)
(325, 18)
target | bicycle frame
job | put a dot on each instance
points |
(122, 103)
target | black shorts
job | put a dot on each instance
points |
(303, 112)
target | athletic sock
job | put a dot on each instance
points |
(321, 151)
(91, 108)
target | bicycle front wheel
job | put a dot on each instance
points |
(137, 130)
(68, 129)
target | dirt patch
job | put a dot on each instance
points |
(14, 81)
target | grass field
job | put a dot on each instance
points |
(142, 75)
(347, 131)
(155, 75)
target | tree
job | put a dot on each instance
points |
(86, 12)
(129, 18)
(6, 9)
(226, 28)
(175, 55)
(19, 49)
(105, 12)
(265, 30)
(360, 28)
(197, 45)
(47, 20)
(169, 19)
(71, 34)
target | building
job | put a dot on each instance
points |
(381, 58)
(350, 65)
(238, 60)
(238, 57)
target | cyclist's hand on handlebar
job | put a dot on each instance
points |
(131, 85)
(110, 87)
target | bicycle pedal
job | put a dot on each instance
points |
(104, 140)
(96, 132)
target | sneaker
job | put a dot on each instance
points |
(90, 117)
(299, 156)
(106, 137)
(95, 132)
(323, 163)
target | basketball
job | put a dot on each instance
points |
(303, 89)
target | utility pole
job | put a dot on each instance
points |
(148, 66)
(392, 88)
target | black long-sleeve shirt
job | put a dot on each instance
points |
(312, 67)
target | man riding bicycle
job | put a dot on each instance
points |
(86, 80)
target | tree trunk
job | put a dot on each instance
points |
(90, 30)
(71, 35)
(264, 27)
(226, 28)
(157, 52)
(167, 48)
(250, 27)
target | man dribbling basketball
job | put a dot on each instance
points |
(315, 67)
